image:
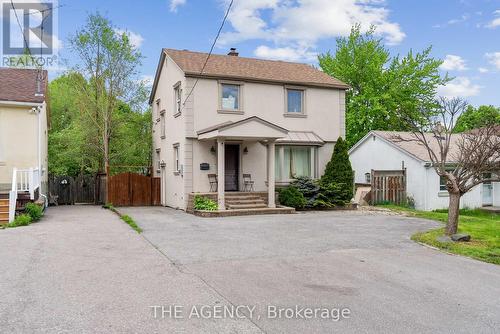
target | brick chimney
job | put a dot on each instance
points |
(233, 52)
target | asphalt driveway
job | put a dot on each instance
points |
(336, 260)
(82, 270)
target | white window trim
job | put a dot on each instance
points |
(177, 101)
(238, 111)
(303, 113)
(177, 159)
(158, 109)
(163, 129)
(281, 163)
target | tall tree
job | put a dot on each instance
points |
(464, 160)
(109, 63)
(474, 118)
(381, 86)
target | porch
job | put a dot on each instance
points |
(238, 204)
(229, 139)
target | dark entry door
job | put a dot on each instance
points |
(232, 168)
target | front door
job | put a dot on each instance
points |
(232, 167)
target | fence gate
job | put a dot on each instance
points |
(388, 186)
(73, 190)
(131, 189)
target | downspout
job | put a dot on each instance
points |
(45, 201)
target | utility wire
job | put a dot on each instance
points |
(40, 76)
(209, 53)
(21, 28)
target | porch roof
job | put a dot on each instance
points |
(301, 138)
(253, 128)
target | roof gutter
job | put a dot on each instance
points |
(257, 80)
(21, 104)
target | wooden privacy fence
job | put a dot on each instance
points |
(82, 189)
(130, 189)
(388, 186)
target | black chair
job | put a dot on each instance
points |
(212, 178)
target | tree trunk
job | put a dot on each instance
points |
(453, 213)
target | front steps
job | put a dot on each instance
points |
(4, 211)
(239, 201)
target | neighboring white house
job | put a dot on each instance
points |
(23, 135)
(382, 150)
(269, 119)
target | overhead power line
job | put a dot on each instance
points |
(209, 53)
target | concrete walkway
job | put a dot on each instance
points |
(365, 262)
(82, 270)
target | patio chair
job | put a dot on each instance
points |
(212, 178)
(247, 182)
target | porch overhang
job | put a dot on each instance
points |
(252, 128)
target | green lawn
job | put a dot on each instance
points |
(483, 227)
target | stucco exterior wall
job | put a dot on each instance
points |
(19, 142)
(172, 183)
(325, 115)
(422, 182)
(267, 101)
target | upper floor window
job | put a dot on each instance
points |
(177, 98)
(230, 97)
(295, 101)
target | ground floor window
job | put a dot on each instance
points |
(293, 161)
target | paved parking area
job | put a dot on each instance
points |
(360, 261)
(82, 270)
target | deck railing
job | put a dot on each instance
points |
(23, 180)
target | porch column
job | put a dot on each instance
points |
(220, 174)
(270, 174)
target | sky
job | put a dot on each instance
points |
(464, 33)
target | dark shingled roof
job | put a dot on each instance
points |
(20, 85)
(237, 67)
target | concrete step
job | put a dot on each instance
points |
(245, 206)
(245, 201)
(237, 197)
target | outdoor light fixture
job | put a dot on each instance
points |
(245, 150)
(212, 150)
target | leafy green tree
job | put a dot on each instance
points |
(474, 118)
(381, 86)
(110, 64)
(339, 171)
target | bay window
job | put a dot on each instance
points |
(294, 161)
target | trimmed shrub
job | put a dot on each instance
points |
(331, 195)
(21, 220)
(34, 210)
(339, 171)
(308, 187)
(203, 203)
(292, 197)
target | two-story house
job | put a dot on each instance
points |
(23, 137)
(250, 123)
